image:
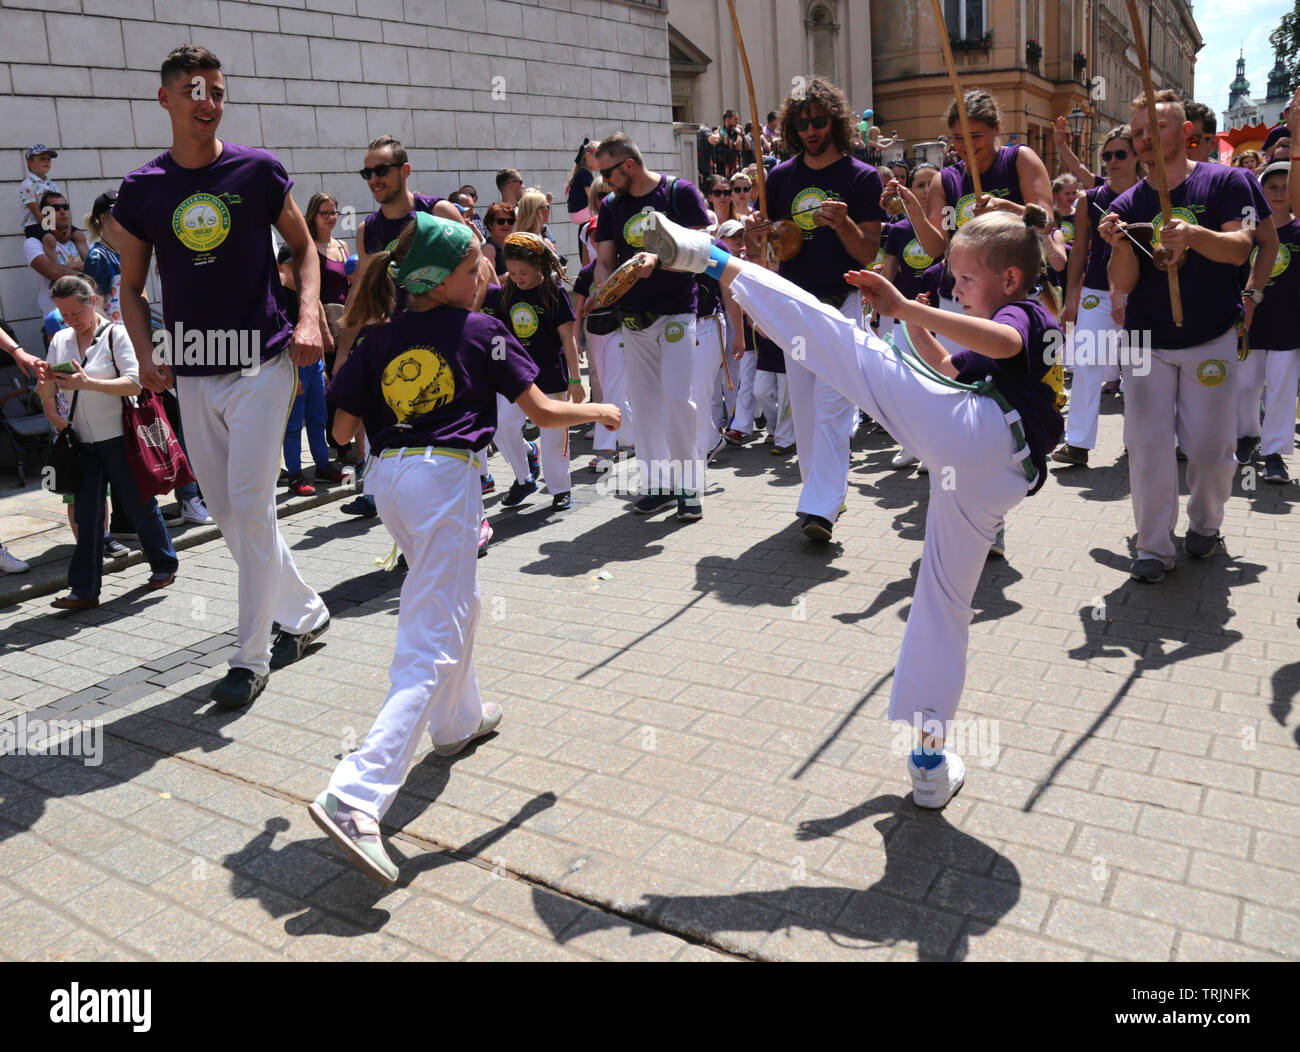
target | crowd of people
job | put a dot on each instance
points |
(860, 296)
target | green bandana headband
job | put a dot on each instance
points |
(439, 246)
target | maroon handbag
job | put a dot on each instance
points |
(152, 449)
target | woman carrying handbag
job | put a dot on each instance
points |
(93, 364)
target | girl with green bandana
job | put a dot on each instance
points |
(424, 387)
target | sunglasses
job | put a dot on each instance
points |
(504, 222)
(801, 123)
(719, 193)
(380, 170)
(1118, 155)
(605, 173)
(59, 208)
(741, 189)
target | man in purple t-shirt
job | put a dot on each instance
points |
(658, 324)
(835, 200)
(206, 207)
(1187, 386)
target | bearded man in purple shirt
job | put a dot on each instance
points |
(206, 208)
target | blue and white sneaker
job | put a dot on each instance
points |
(933, 788)
(534, 465)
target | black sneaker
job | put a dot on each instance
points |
(240, 687)
(1199, 546)
(1275, 470)
(363, 505)
(562, 501)
(1150, 571)
(688, 506)
(1246, 449)
(115, 549)
(653, 502)
(289, 647)
(518, 491)
(816, 528)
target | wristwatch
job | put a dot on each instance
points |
(1253, 294)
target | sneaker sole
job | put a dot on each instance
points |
(817, 532)
(939, 807)
(1146, 580)
(355, 855)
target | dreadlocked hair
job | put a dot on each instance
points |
(374, 293)
(530, 248)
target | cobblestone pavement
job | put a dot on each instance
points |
(694, 762)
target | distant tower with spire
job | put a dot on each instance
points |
(1242, 110)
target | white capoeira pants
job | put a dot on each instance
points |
(1250, 393)
(660, 364)
(552, 446)
(974, 480)
(234, 430)
(1094, 333)
(773, 400)
(740, 402)
(710, 336)
(433, 509)
(1281, 377)
(1188, 396)
(824, 421)
(605, 358)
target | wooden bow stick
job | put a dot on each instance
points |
(756, 136)
(1162, 182)
(971, 166)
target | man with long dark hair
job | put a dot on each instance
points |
(835, 200)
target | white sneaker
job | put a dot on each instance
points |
(677, 247)
(935, 787)
(718, 447)
(10, 563)
(904, 459)
(194, 510)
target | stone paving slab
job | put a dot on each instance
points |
(695, 761)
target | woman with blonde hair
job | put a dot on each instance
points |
(532, 215)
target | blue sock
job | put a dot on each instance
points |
(718, 260)
(927, 761)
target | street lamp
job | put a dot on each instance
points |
(1076, 117)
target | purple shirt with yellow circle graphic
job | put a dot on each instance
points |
(210, 230)
(1211, 196)
(902, 242)
(537, 328)
(1276, 324)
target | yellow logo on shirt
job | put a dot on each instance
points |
(914, 256)
(1280, 262)
(1067, 231)
(1089, 302)
(805, 205)
(1185, 214)
(524, 320)
(1212, 372)
(634, 228)
(966, 206)
(201, 222)
(417, 381)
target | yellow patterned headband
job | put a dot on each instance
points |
(530, 242)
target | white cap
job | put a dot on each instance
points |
(731, 228)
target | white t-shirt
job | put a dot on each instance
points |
(64, 252)
(29, 192)
(99, 415)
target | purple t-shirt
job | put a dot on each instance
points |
(1001, 180)
(770, 359)
(210, 230)
(1094, 274)
(902, 243)
(621, 220)
(708, 293)
(382, 232)
(796, 191)
(537, 328)
(582, 283)
(1020, 378)
(430, 378)
(1212, 195)
(1276, 325)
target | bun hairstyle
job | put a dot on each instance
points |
(1004, 240)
